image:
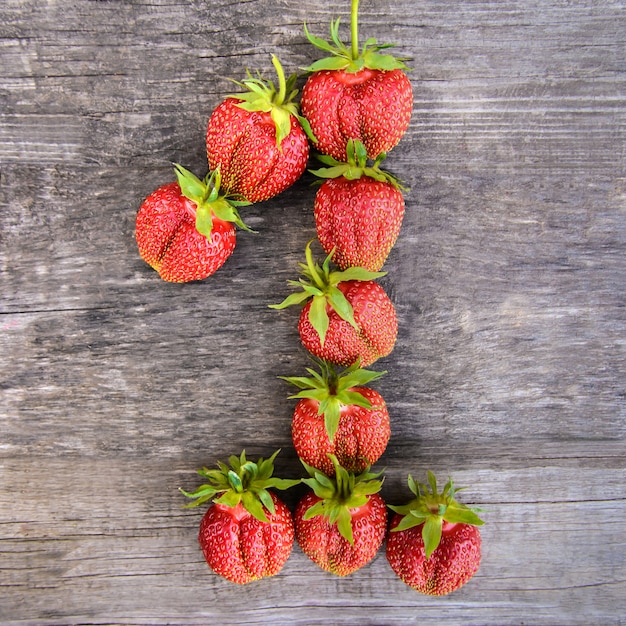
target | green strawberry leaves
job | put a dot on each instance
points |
(263, 95)
(431, 509)
(351, 59)
(333, 390)
(243, 482)
(339, 494)
(320, 285)
(209, 202)
(356, 166)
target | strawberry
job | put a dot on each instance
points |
(356, 94)
(347, 316)
(186, 230)
(341, 522)
(434, 544)
(247, 533)
(257, 138)
(358, 210)
(336, 414)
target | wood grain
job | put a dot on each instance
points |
(508, 277)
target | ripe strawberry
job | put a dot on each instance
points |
(434, 544)
(348, 317)
(358, 210)
(356, 94)
(341, 522)
(257, 138)
(186, 230)
(248, 533)
(336, 415)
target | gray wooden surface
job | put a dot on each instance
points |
(508, 277)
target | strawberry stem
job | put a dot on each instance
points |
(262, 95)
(354, 29)
(282, 83)
(351, 59)
(313, 270)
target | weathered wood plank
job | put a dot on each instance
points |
(70, 545)
(509, 278)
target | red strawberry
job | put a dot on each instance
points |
(248, 533)
(257, 138)
(348, 317)
(337, 415)
(356, 94)
(358, 210)
(186, 230)
(371, 336)
(434, 544)
(341, 523)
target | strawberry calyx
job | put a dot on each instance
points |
(320, 285)
(340, 495)
(356, 166)
(264, 96)
(432, 508)
(207, 201)
(242, 483)
(333, 390)
(352, 59)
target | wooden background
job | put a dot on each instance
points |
(508, 277)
